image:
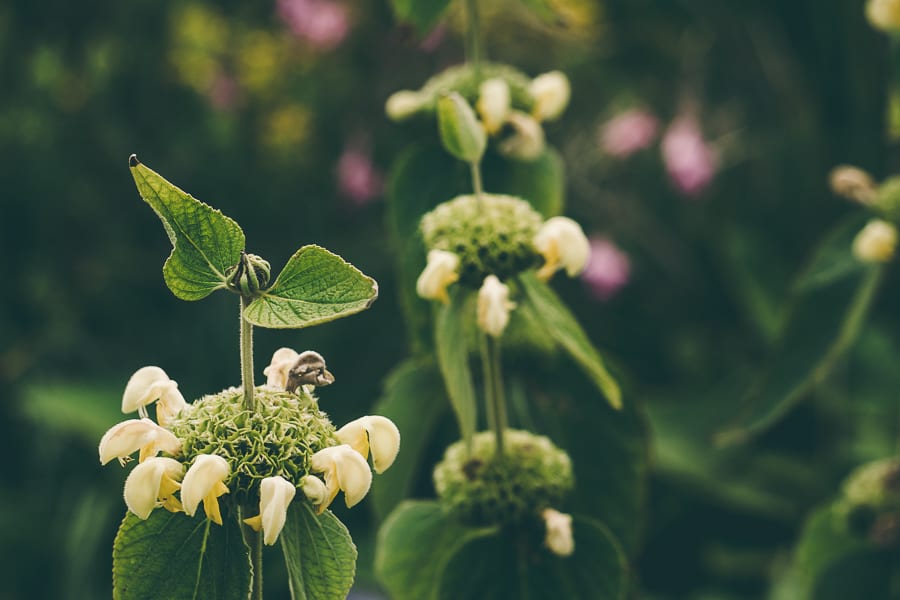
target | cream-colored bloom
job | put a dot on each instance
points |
(559, 532)
(153, 483)
(205, 480)
(494, 306)
(876, 242)
(853, 183)
(564, 246)
(314, 489)
(277, 371)
(884, 14)
(275, 494)
(125, 438)
(493, 104)
(343, 468)
(551, 92)
(403, 104)
(148, 385)
(527, 142)
(439, 272)
(376, 433)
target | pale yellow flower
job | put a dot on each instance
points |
(559, 532)
(275, 494)
(343, 468)
(154, 483)
(440, 271)
(876, 242)
(493, 104)
(125, 438)
(494, 306)
(551, 92)
(563, 245)
(375, 433)
(149, 385)
(204, 481)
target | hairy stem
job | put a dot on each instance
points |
(473, 35)
(254, 541)
(477, 186)
(247, 357)
(493, 389)
(486, 368)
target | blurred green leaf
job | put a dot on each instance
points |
(315, 286)
(461, 133)
(812, 343)
(542, 182)
(414, 546)
(414, 399)
(81, 409)
(319, 553)
(560, 324)
(453, 359)
(510, 564)
(204, 241)
(179, 557)
(833, 258)
(423, 14)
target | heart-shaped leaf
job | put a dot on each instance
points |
(315, 286)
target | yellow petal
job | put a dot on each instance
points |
(204, 479)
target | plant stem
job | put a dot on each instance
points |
(247, 357)
(473, 35)
(486, 369)
(256, 558)
(477, 186)
(499, 395)
(493, 385)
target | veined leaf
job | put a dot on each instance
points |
(315, 286)
(204, 241)
(414, 546)
(173, 556)
(319, 554)
(453, 359)
(561, 325)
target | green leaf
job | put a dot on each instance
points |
(414, 399)
(204, 241)
(812, 343)
(513, 564)
(315, 286)
(561, 325)
(453, 359)
(833, 258)
(461, 132)
(319, 554)
(423, 14)
(414, 545)
(173, 556)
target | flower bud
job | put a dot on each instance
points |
(876, 242)
(403, 104)
(884, 14)
(551, 93)
(494, 306)
(461, 133)
(559, 532)
(314, 489)
(527, 140)
(853, 183)
(440, 271)
(249, 276)
(493, 104)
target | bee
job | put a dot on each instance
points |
(309, 369)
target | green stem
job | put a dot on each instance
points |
(486, 370)
(473, 35)
(499, 395)
(493, 382)
(247, 357)
(256, 560)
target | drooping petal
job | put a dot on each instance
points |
(440, 271)
(493, 104)
(494, 306)
(125, 438)
(551, 92)
(563, 244)
(345, 469)
(151, 482)
(277, 371)
(170, 404)
(275, 493)
(375, 433)
(146, 386)
(204, 481)
(559, 532)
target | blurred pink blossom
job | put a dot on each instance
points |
(322, 23)
(690, 161)
(608, 268)
(628, 132)
(358, 179)
(224, 92)
(434, 38)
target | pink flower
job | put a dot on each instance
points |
(223, 93)
(358, 179)
(628, 132)
(322, 23)
(690, 161)
(608, 269)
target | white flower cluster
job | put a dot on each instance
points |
(155, 481)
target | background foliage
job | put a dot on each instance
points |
(248, 114)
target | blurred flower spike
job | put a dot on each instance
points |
(628, 132)
(876, 242)
(358, 179)
(690, 162)
(608, 269)
(884, 14)
(213, 457)
(321, 23)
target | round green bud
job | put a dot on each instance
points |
(249, 276)
(491, 237)
(484, 488)
(278, 438)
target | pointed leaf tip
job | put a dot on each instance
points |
(133, 161)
